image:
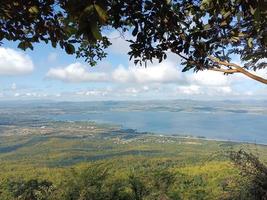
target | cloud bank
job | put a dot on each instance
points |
(160, 79)
(14, 62)
(75, 73)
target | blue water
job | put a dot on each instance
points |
(243, 127)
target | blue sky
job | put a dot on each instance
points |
(49, 73)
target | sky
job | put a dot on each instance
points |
(48, 73)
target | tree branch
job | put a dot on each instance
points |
(232, 68)
(226, 71)
(237, 69)
(253, 76)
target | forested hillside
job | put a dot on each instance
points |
(85, 160)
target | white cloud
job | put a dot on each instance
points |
(202, 91)
(209, 78)
(189, 90)
(136, 81)
(225, 90)
(25, 95)
(91, 93)
(33, 94)
(13, 62)
(165, 72)
(76, 73)
(158, 80)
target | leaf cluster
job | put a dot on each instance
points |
(193, 29)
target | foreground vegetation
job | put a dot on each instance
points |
(122, 179)
(85, 160)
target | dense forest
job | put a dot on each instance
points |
(83, 160)
(137, 179)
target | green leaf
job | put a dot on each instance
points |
(252, 10)
(239, 15)
(101, 13)
(205, 4)
(186, 68)
(95, 31)
(168, 1)
(227, 14)
(54, 43)
(89, 9)
(206, 27)
(70, 30)
(241, 34)
(257, 14)
(70, 49)
(235, 39)
(1, 36)
(265, 40)
(33, 10)
(25, 45)
(134, 33)
(250, 44)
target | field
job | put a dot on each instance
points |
(69, 154)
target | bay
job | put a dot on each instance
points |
(243, 127)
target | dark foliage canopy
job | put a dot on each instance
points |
(205, 33)
(253, 169)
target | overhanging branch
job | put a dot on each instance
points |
(231, 68)
(234, 68)
(226, 71)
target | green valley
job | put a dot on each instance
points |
(87, 160)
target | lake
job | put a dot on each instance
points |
(244, 127)
(244, 121)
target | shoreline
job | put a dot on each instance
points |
(160, 134)
(202, 138)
